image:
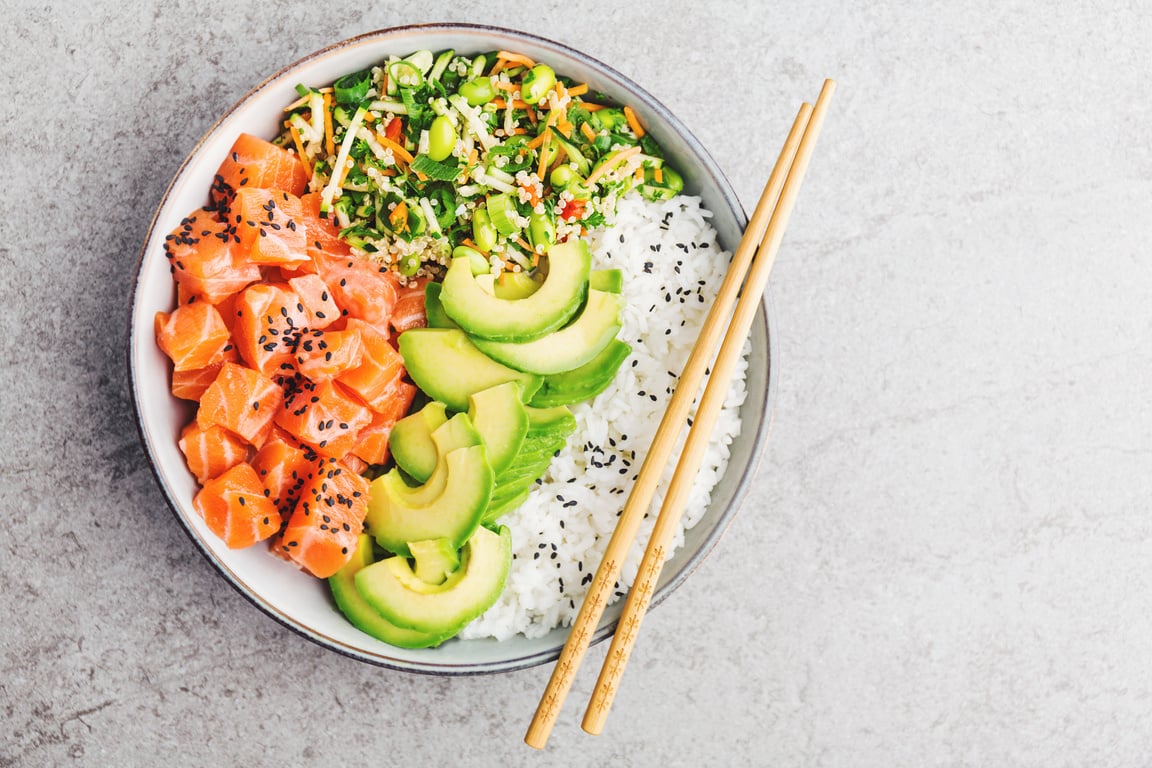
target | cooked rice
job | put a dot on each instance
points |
(672, 268)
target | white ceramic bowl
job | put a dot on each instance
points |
(301, 602)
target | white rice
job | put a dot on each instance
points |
(672, 268)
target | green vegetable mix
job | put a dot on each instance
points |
(422, 156)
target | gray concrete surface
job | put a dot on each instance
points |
(945, 558)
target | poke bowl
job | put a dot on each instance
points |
(666, 239)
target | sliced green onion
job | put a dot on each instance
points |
(405, 74)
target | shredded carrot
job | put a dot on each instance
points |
(633, 121)
(518, 131)
(299, 147)
(516, 104)
(516, 58)
(468, 242)
(578, 90)
(564, 127)
(561, 92)
(611, 162)
(535, 258)
(472, 155)
(505, 86)
(533, 197)
(532, 114)
(639, 174)
(545, 134)
(329, 138)
(499, 65)
(544, 153)
(344, 171)
(398, 218)
(398, 150)
(421, 176)
(593, 107)
(524, 244)
(587, 131)
(658, 175)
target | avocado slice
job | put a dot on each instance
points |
(397, 593)
(543, 447)
(568, 348)
(411, 440)
(514, 285)
(449, 367)
(435, 559)
(486, 316)
(434, 310)
(554, 420)
(366, 618)
(501, 420)
(608, 280)
(585, 382)
(448, 505)
(519, 478)
(457, 432)
(502, 506)
(399, 513)
(528, 470)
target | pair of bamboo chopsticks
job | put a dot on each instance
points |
(766, 227)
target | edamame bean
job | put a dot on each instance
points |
(478, 91)
(441, 138)
(409, 264)
(483, 233)
(541, 230)
(563, 175)
(536, 84)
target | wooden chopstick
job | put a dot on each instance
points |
(580, 637)
(700, 434)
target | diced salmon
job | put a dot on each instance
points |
(235, 508)
(283, 467)
(191, 385)
(200, 253)
(322, 233)
(354, 463)
(210, 452)
(381, 366)
(321, 534)
(254, 162)
(323, 355)
(409, 309)
(318, 303)
(241, 400)
(193, 336)
(268, 223)
(362, 289)
(372, 442)
(270, 320)
(321, 415)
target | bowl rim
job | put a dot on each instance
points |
(765, 407)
